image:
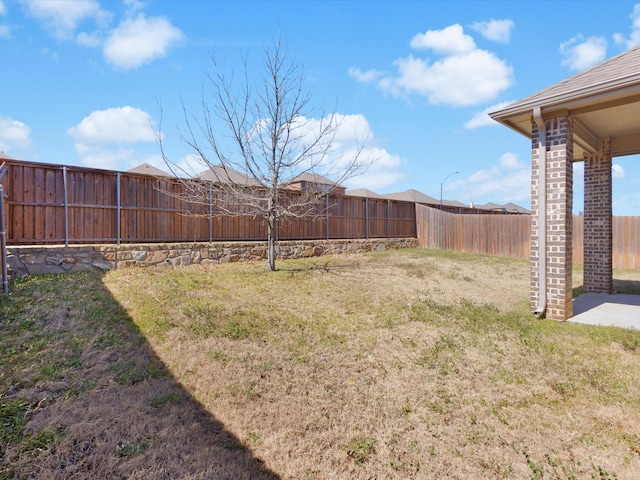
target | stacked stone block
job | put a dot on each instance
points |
(60, 259)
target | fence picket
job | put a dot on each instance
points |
(53, 204)
(510, 235)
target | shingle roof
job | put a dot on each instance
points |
(148, 169)
(412, 195)
(363, 192)
(615, 73)
(314, 178)
(603, 102)
(513, 207)
(227, 175)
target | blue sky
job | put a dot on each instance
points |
(83, 82)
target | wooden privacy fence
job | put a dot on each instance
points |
(510, 235)
(504, 235)
(54, 204)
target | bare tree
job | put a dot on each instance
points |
(266, 143)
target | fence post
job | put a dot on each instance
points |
(388, 219)
(211, 212)
(66, 206)
(118, 208)
(366, 217)
(327, 214)
(3, 234)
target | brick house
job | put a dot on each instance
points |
(317, 183)
(591, 118)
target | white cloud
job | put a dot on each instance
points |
(140, 40)
(482, 119)
(100, 137)
(100, 157)
(509, 161)
(384, 170)
(114, 126)
(463, 80)
(134, 6)
(5, 30)
(136, 41)
(634, 37)
(508, 181)
(122, 159)
(62, 17)
(188, 166)
(353, 133)
(579, 53)
(89, 39)
(364, 77)
(448, 41)
(617, 172)
(14, 134)
(496, 30)
(464, 75)
(384, 167)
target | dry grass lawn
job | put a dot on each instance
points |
(395, 365)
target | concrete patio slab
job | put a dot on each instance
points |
(617, 310)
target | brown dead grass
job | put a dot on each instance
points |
(408, 364)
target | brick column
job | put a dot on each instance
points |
(559, 217)
(598, 219)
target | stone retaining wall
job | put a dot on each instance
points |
(29, 260)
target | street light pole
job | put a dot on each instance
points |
(445, 179)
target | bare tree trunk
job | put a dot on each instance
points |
(271, 241)
(275, 144)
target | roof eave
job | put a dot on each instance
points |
(512, 116)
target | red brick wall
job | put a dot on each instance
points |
(559, 218)
(598, 221)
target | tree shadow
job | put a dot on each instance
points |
(96, 401)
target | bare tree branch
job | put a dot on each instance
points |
(270, 156)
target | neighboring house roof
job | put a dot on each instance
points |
(490, 206)
(363, 192)
(603, 101)
(419, 197)
(4, 156)
(412, 195)
(220, 174)
(315, 178)
(454, 203)
(148, 169)
(507, 207)
(512, 207)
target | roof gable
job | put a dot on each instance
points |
(227, 175)
(148, 169)
(314, 178)
(603, 103)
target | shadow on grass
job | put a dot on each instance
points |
(630, 287)
(83, 395)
